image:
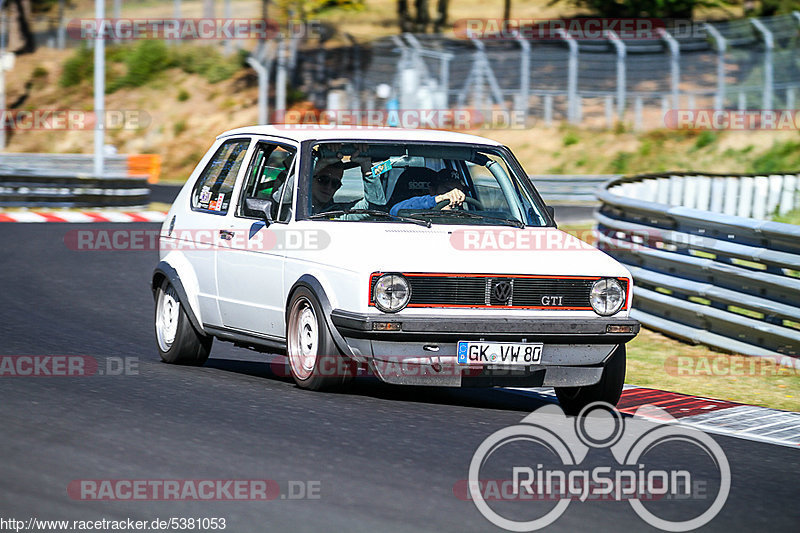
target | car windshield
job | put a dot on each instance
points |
(435, 183)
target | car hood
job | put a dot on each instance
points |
(368, 247)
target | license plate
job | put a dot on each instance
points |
(503, 353)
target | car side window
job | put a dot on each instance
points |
(268, 177)
(213, 189)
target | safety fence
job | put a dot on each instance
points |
(707, 267)
(67, 180)
(743, 64)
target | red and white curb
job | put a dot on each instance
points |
(82, 216)
(720, 417)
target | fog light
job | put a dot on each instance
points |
(386, 326)
(612, 328)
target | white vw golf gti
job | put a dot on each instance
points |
(423, 257)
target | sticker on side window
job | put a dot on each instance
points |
(205, 195)
(216, 205)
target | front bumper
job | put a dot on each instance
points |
(423, 350)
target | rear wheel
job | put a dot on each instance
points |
(608, 389)
(314, 360)
(178, 342)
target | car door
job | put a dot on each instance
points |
(195, 230)
(250, 258)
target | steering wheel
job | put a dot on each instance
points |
(471, 201)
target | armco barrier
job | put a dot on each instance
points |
(570, 189)
(702, 274)
(54, 189)
(66, 180)
(117, 164)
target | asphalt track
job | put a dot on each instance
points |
(386, 458)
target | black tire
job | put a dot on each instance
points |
(314, 360)
(608, 389)
(177, 340)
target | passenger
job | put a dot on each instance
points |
(328, 179)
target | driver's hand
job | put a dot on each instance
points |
(455, 196)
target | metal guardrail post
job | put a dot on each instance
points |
(260, 61)
(674, 65)
(722, 45)
(228, 14)
(488, 73)
(2, 71)
(280, 80)
(443, 83)
(99, 90)
(769, 45)
(357, 77)
(481, 70)
(548, 110)
(444, 77)
(619, 46)
(638, 109)
(572, 75)
(402, 66)
(117, 16)
(524, 74)
(263, 85)
(61, 35)
(176, 8)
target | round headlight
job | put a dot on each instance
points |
(607, 296)
(391, 293)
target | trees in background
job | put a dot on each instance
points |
(647, 8)
(418, 19)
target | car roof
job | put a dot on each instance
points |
(330, 133)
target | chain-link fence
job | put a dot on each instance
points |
(735, 65)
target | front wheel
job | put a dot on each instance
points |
(314, 360)
(178, 342)
(608, 389)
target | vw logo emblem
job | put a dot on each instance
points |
(502, 291)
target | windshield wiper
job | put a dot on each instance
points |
(467, 214)
(372, 212)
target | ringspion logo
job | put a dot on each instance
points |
(542, 459)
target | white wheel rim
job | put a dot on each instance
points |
(168, 311)
(303, 338)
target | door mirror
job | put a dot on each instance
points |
(261, 206)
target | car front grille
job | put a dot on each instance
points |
(500, 291)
